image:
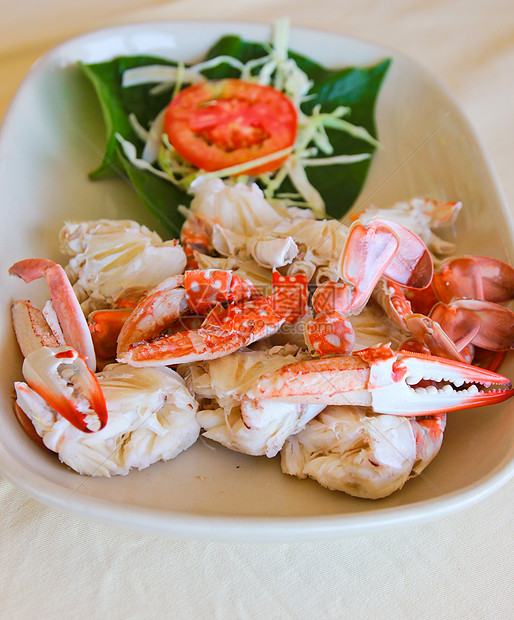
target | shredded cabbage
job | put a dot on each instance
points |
(274, 69)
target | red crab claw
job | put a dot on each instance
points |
(474, 277)
(71, 318)
(368, 251)
(385, 380)
(483, 323)
(61, 377)
(56, 372)
(381, 248)
(412, 265)
(428, 332)
(208, 287)
(224, 331)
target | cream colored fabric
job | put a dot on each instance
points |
(53, 564)
(56, 565)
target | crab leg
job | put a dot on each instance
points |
(197, 291)
(383, 248)
(154, 313)
(386, 381)
(51, 368)
(484, 323)
(223, 332)
(380, 248)
(71, 318)
(225, 329)
(430, 334)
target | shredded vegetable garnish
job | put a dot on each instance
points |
(276, 69)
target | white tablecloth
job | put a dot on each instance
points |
(54, 564)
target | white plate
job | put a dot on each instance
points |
(53, 135)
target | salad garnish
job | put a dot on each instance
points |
(318, 160)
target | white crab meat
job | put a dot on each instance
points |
(240, 208)
(429, 439)
(248, 227)
(344, 449)
(265, 248)
(110, 257)
(373, 327)
(252, 427)
(152, 417)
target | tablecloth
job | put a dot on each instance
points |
(55, 564)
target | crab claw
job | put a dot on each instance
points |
(412, 265)
(380, 248)
(483, 323)
(387, 381)
(368, 251)
(70, 316)
(224, 331)
(474, 277)
(61, 377)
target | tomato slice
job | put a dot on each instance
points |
(215, 125)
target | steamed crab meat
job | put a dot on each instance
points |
(422, 216)
(256, 428)
(381, 411)
(151, 418)
(109, 257)
(243, 225)
(363, 454)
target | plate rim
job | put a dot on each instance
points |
(264, 529)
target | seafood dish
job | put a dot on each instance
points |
(339, 345)
(331, 339)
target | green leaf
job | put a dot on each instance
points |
(232, 45)
(356, 88)
(159, 196)
(339, 185)
(117, 103)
